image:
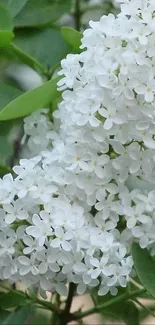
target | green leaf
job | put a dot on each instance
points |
(145, 267)
(133, 286)
(9, 132)
(6, 150)
(112, 312)
(26, 58)
(3, 315)
(130, 313)
(120, 310)
(41, 12)
(18, 317)
(31, 101)
(45, 46)
(7, 126)
(144, 313)
(6, 26)
(6, 37)
(72, 37)
(7, 94)
(12, 299)
(3, 171)
(126, 311)
(6, 21)
(40, 316)
(13, 6)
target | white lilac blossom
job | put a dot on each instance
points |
(73, 209)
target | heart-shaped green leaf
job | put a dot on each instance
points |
(72, 37)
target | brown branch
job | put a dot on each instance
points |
(64, 318)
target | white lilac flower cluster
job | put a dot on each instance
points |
(76, 206)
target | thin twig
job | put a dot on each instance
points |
(144, 307)
(109, 303)
(65, 316)
(56, 301)
(46, 304)
(17, 147)
(77, 15)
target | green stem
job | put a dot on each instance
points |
(113, 301)
(77, 15)
(64, 316)
(46, 304)
(56, 301)
(49, 73)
